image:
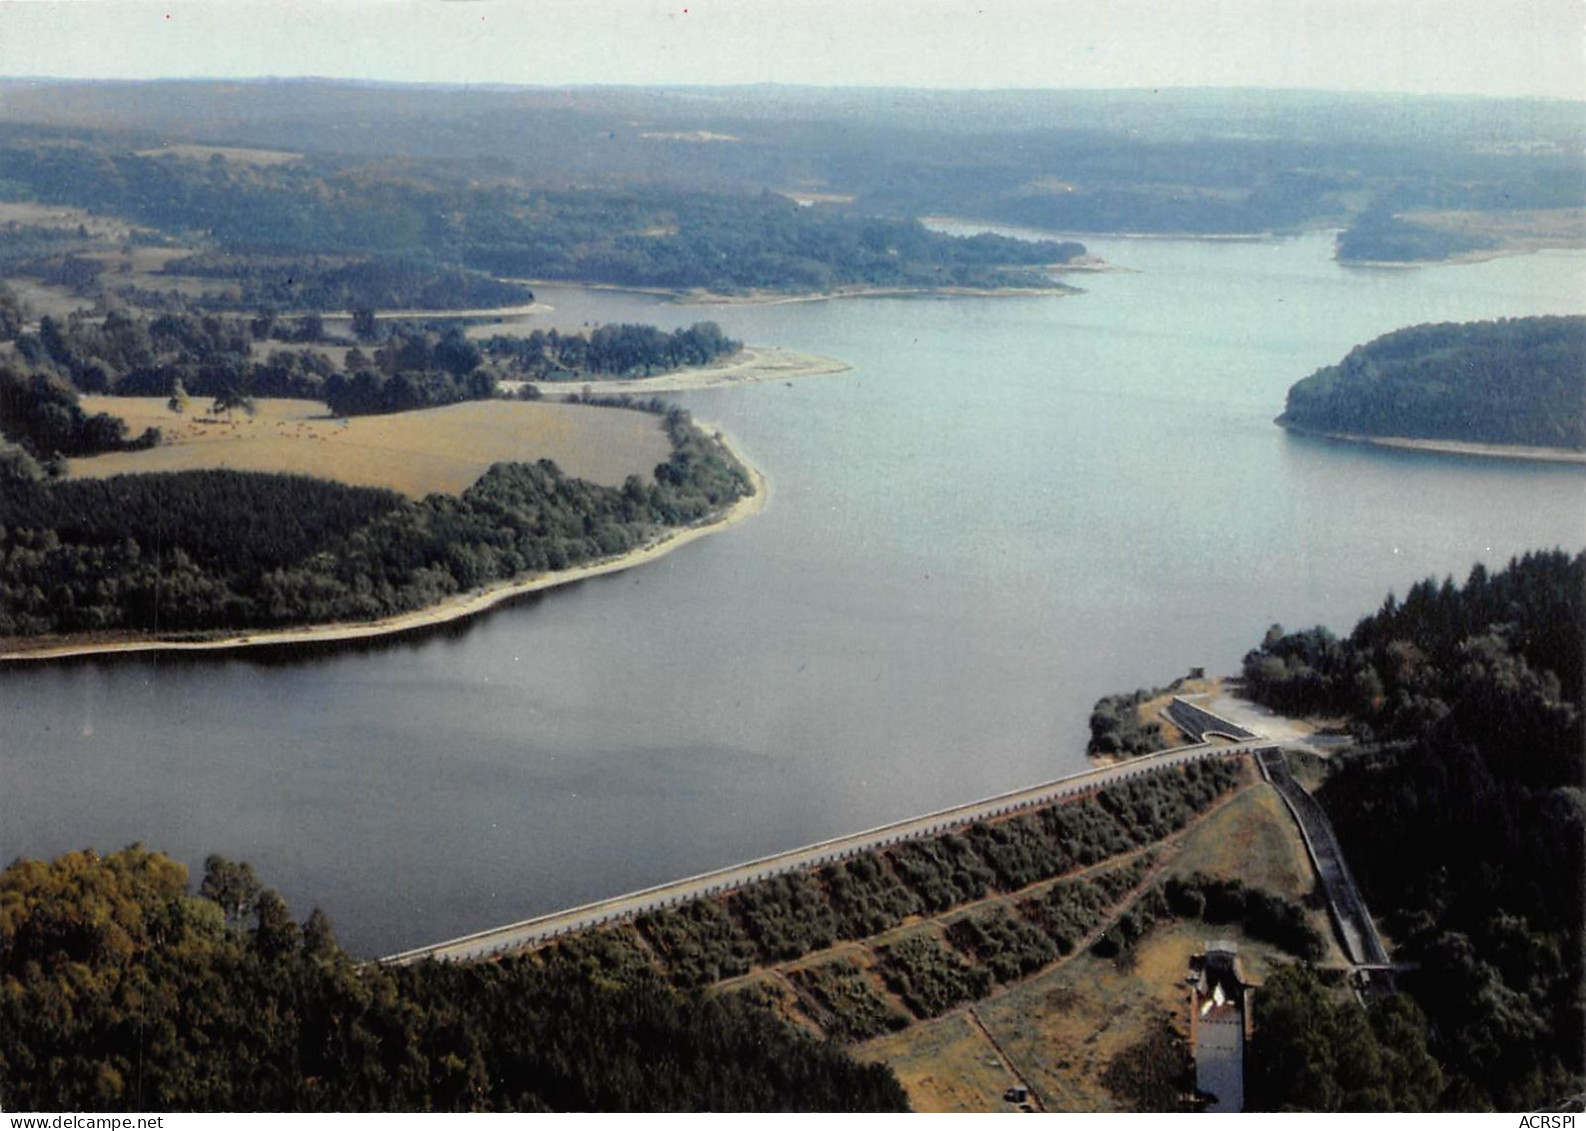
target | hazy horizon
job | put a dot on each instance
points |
(525, 87)
(1526, 49)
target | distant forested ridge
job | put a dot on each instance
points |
(263, 218)
(1463, 815)
(380, 282)
(209, 551)
(1514, 381)
(122, 990)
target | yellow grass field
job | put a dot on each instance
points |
(416, 453)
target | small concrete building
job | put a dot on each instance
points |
(1220, 1024)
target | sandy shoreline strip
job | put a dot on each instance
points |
(748, 366)
(1450, 447)
(700, 297)
(394, 314)
(457, 607)
(770, 298)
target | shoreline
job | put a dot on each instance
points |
(1463, 258)
(770, 298)
(457, 607)
(781, 298)
(749, 366)
(1520, 452)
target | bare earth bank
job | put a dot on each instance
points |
(1450, 447)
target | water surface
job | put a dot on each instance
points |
(1006, 509)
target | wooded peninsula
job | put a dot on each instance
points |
(1516, 381)
(277, 372)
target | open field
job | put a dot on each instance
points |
(417, 453)
(1254, 839)
(239, 154)
(1251, 839)
(123, 264)
(1516, 232)
(1064, 1026)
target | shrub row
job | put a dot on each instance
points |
(1006, 944)
(699, 942)
(1069, 911)
(929, 977)
(788, 916)
(867, 895)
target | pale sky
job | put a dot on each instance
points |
(1493, 47)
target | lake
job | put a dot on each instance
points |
(1008, 508)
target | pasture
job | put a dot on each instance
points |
(416, 453)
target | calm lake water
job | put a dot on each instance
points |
(1008, 508)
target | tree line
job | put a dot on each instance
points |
(608, 351)
(658, 236)
(1463, 817)
(337, 283)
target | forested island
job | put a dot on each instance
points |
(1515, 382)
(1462, 813)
